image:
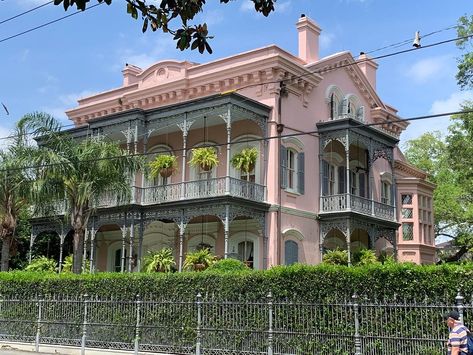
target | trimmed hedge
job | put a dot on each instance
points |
(298, 282)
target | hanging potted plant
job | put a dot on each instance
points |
(199, 260)
(159, 261)
(164, 165)
(245, 160)
(205, 157)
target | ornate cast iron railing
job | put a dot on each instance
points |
(358, 204)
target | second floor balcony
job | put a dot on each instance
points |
(186, 191)
(353, 203)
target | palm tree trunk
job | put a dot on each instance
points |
(78, 251)
(6, 252)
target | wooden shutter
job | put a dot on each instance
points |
(345, 108)
(360, 114)
(283, 167)
(325, 178)
(300, 173)
(342, 174)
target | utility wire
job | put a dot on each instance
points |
(314, 132)
(409, 41)
(26, 12)
(321, 71)
(47, 23)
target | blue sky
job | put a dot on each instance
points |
(50, 68)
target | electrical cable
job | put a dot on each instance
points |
(315, 132)
(26, 12)
(47, 23)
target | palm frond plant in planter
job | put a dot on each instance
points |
(164, 165)
(199, 260)
(159, 261)
(245, 160)
(205, 157)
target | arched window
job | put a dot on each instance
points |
(333, 98)
(291, 252)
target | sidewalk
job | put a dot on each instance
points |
(10, 348)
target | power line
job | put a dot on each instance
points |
(26, 12)
(409, 41)
(47, 23)
(313, 133)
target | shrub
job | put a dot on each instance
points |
(336, 257)
(365, 257)
(159, 261)
(67, 264)
(42, 264)
(228, 265)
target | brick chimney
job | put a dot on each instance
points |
(368, 66)
(309, 33)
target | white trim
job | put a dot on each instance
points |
(294, 212)
(294, 142)
(291, 232)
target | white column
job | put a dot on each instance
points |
(347, 155)
(181, 244)
(132, 241)
(122, 265)
(226, 226)
(140, 244)
(229, 141)
(84, 256)
(184, 159)
(348, 239)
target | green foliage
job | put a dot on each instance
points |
(465, 63)
(298, 282)
(68, 264)
(161, 162)
(245, 160)
(159, 261)
(42, 264)
(199, 260)
(336, 257)
(365, 257)
(161, 17)
(228, 265)
(205, 157)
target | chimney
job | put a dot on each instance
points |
(368, 66)
(309, 33)
(130, 74)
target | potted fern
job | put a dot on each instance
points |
(164, 165)
(205, 157)
(159, 261)
(199, 260)
(245, 160)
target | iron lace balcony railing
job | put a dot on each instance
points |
(358, 204)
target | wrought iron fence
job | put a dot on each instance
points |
(208, 325)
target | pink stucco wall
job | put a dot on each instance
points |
(255, 74)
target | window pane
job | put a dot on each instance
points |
(291, 251)
(407, 231)
(406, 212)
(406, 199)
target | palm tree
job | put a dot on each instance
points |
(80, 171)
(14, 193)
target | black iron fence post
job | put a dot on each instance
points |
(357, 325)
(138, 324)
(199, 324)
(270, 323)
(84, 325)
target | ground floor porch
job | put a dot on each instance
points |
(354, 233)
(118, 241)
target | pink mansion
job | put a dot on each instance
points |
(329, 172)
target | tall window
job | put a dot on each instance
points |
(291, 168)
(333, 106)
(386, 193)
(246, 253)
(291, 252)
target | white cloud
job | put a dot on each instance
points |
(247, 6)
(5, 132)
(67, 102)
(429, 68)
(160, 46)
(452, 103)
(326, 39)
(282, 7)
